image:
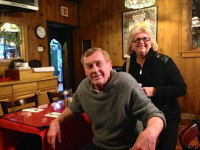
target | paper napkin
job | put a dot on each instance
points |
(33, 109)
(53, 114)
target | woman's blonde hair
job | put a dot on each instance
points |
(90, 51)
(140, 29)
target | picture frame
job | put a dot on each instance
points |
(86, 44)
(64, 11)
(131, 18)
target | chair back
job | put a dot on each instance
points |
(62, 95)
(189, 134)
(7, 105)
(35, 63)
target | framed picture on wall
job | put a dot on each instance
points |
(86, 44)
(132, 18)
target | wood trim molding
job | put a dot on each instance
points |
(185, 116)
(190, 53)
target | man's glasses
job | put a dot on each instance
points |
(144, 39)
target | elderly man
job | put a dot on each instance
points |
(113, 101)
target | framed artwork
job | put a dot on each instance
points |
(86, 44)
(131, 18)
(64, 11)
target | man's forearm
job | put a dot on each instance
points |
(65, 115)
(155, 124)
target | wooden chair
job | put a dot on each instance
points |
(58, 96)
(7, 105)
(188, 135)
(35, 63)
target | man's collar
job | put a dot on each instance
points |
(92, 89)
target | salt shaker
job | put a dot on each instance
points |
(67, 96)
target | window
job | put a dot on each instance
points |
(10, 41)
(195, 23)
(190, 29)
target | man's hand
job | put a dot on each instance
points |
(53, 133)
(147, 139)
(54, 129)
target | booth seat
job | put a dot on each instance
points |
(76, 133)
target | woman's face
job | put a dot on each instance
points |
(141, 44)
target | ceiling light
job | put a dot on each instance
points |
(137, 4)
(195, 21)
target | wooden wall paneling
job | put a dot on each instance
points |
(186, 105)
(161, 25)
(116, 43)
(174, 40)
(196, 100)
(97, 38)
(84, 15)
(175, 31)
(102, 22)
(183, 40)
(168, 28)
(77, 56)
(115, 32)
(53, 12)
(181, 61)
(38, 19)
(106, 34)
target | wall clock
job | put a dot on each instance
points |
(40, 32)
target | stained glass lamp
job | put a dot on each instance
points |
(137, 4)
(10, 27)
(195, 21)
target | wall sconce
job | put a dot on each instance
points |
(137, 4)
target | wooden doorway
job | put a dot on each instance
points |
(61, 54)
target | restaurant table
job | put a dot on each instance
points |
(14, 128)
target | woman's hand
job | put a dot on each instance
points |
(150, 91)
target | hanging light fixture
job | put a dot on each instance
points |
(195, 21)
(137, 4)
(9, 27)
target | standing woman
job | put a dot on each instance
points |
(160, 79)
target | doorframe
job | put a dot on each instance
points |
(68, 53)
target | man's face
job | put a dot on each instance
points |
(97, 69)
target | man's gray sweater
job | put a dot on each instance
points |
(114, 110)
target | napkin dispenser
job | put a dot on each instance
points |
(21, 65)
